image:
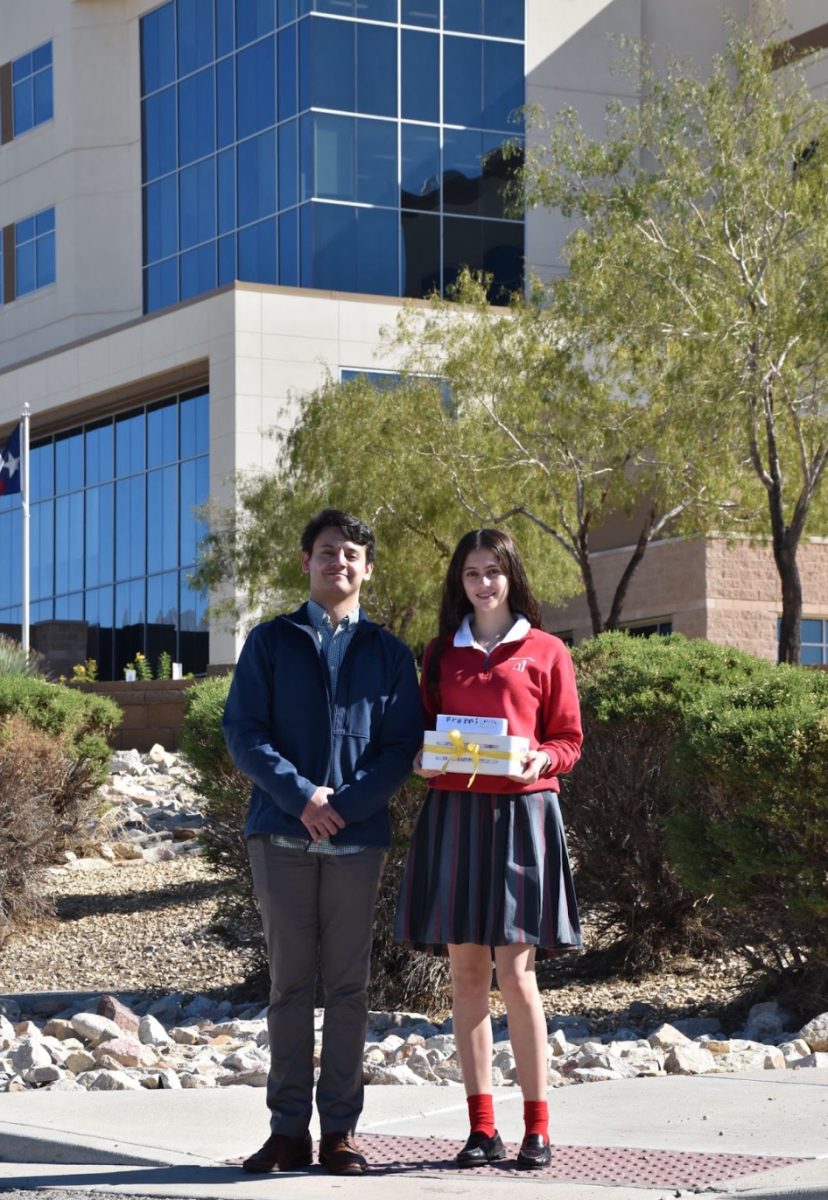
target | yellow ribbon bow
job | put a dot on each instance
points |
(459, 749)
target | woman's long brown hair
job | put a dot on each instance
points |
(455, 603)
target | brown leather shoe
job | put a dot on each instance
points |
(340, 1154)
(281, 1153)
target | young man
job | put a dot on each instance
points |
(324, 717)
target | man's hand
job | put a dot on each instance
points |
(319, 818)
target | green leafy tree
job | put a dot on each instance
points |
(701, 255)
(555, 431)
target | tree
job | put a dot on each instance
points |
(702, 253)
(553, 428)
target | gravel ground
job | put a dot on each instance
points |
(145, 927)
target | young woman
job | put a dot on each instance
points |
(488, 872)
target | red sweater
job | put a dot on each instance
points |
(530, 682)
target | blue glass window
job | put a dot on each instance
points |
(100, 530)
(289, 248)
(288, 165)
(420, 76)
(464, 16)
(497, 246)
(504, 20)
(257, 252)
(287, 76)
(69, 470)
(69, 542)
(160, 218)
(376, 162)
(130, 445)
(42, 466)
(42, 551)
(475, 173)
(256, 87)
(162, 434)
(161, 285)
(225, 102)
(350, 249)
(226, 165)
(257, 178)
(503, 86)
(139, 528)
(32, 89)
(225, 27)
(195, 490)
(195, 427)
(159, 141)
(34, 243)
(196, 116)
(254, 18)
(376, 70)
(162, 519)
(100, 452)
(327, 64)
(227, 270)
(421, 12)
(326, 71)
(130, 526)
(814, 642)
(420, 185)
(420, 237)
(195, 36)
(158, 48)
(197, 200)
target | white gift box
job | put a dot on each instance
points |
(478, 754)
(496, 726)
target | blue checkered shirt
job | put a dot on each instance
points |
(334, 643)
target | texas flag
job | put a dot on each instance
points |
(10, 464)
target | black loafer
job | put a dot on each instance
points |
(534, 1152)
(480, 1149)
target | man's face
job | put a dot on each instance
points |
(336, 569)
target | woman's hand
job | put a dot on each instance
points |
(535, 764)
(420, 770)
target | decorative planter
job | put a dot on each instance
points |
(130, 675)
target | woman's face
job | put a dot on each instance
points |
(485, 582)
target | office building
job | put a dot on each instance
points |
(206, 206)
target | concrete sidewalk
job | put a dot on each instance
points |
(759, 1134)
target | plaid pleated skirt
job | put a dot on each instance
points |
(489, 869)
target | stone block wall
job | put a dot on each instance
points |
(153, 711)
(724, 590)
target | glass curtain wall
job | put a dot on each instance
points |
(113, 533)
(356, 145)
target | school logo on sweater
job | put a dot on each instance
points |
(519, 664)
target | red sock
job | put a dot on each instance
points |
(536, 1117)
(481, 1114)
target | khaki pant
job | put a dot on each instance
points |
(317, 910)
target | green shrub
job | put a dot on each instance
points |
(83, 724)
(14, 660)
(704, 782)
(227, 792)
(399, 978)
(31, 767)
(754, 830)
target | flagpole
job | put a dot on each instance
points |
(24, 463)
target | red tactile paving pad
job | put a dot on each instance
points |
(392, 1154)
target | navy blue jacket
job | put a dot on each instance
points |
(283, 734)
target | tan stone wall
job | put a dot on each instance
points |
(668, 585)
(725, 591)
(744, 600)
(153, 711)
